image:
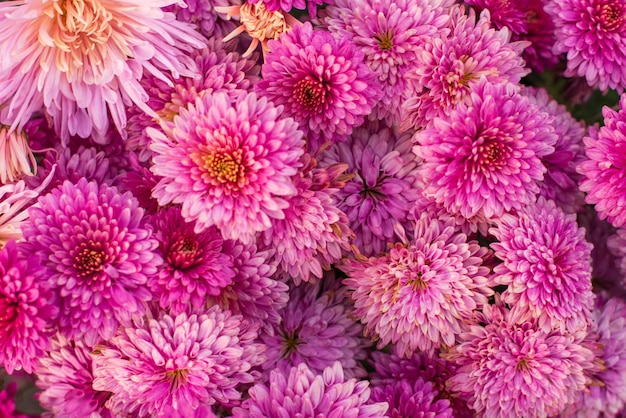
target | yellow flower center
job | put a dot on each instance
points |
(225, 167)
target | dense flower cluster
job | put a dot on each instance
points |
(312, 208)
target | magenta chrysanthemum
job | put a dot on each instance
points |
(229, 162)
(220, 68)
(316, 329)
(253, 292)
(82, 60)
(448, 68)
(510, 368)
(202, 13)
(486, 154)
(389, 34)
(299, 392)
(65, 376)
(417, 399)
(593, 35)
(176, 360)
(25, 311)
(420, 295)
(321, 82)
(287, 5)
(194, 265)
(7, 402)
(314, 233)
(604, 169)
(561, 179)
(96, 256)
(383, 189)
(547, 266)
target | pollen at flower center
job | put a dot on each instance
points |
(492, 155)
(310, 94)
(610, 15)
(385, 41)
(225, 167)
(177, 378)
(183, 253)
(90, 259)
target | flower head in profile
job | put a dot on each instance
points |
(389, 34)
(317, 329)
(96, 256)
(314, 233)
(510, 368)
(601, 58)
(82, 60)
(486, 155)
(300, 392)
(26, 312)
(420, 294)
(449, 67)
(229, 162)
(194, 265)
(65, 377)
(383, 188)
(168, 361)
(321, 82)
(604, 168)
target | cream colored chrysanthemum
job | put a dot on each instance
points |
(16, 158)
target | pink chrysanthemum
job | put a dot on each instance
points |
(604, 169)
(95, 254)
(16, 158)
(65, 376)
(317, 328)
(194, 265)
(593, 35)
(561, 179)
(616, 244)
(527, 21)
(321, 82)
(607, 397)
(417, 399)
(389, 34)
(486, 154)
(26, 313)
(420, 295)
(448, 68)
(140, 181)
(510, 368)
(287, 5)
(300, 392)
(229, 162)
(383, 189)
(253, 292)
(314, 233)
(220, 68)
(176, 360)
(82, 60)
(547, 266)
(202, 13)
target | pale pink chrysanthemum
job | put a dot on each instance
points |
(389, 34)
(26, 311)
(449, 67)
(593, 35)
(96, 255)
(300, 392)
(383, 189)
(257, 21)
(219, 67)
(194, 265)
(561, 179)
(16, 158)
(202, 14)
(174, 360)
(322, 83)
(510, 368)
(317, 328)
(65, 377)
(82, 60)
(314, 233)
(253, 293)
(486, 155)
(546, 266)
(229, 162)
(420, 294)
(604, 168)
